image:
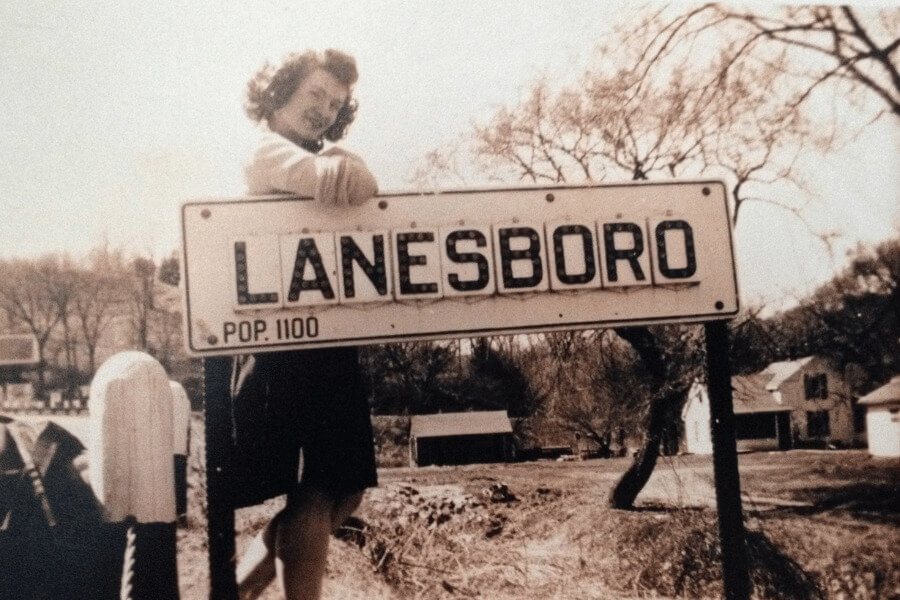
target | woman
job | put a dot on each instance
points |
(310, 402)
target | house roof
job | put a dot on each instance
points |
(751, 395)
(754, 393)
(782, 370)
(462, 423)
(889, 393)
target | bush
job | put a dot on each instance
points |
(673, 555)
(391, 441)
(679, 554)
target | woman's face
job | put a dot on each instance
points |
(312, 109)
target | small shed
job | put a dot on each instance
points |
(883, 419)
(460, 438)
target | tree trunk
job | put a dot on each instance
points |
(635, 478)
(41, 378)
(92, 359)
(71, 355)
(638, 474)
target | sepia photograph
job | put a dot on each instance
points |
(390, 300)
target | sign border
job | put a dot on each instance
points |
(431, 195)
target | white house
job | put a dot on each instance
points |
(789, 403)
(761, 423)
(883, 419)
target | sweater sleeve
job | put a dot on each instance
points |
(279, 165)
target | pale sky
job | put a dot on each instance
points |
(114, 112)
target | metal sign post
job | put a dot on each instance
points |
(735, 570)
(220, 511)
(279, 273)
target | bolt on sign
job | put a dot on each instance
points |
(279, 272)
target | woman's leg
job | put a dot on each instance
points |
(256, 569)
(294, 545)
(301, 543)
(344, 507)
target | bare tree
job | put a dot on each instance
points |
(671, 357)
(99, 297)
(617, 125)
(69, 304)
(142, 293)
(811, 46)
(498, 377)
(598, 392)
(853, 319)
(170, 270)
(706, 92)
(410, 377)
(165, 328)
(26, 297)
(440, 167)
(63, 288)
(153, 307)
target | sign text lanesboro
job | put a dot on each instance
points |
(277, 272)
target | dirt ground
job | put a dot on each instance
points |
(821, 525)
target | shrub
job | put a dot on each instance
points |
(679, 554)
(391, 441)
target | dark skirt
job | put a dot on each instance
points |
(314, 400)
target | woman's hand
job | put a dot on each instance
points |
(342, 179)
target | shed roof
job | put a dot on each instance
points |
(461, 423)
(889, 393)
(751, 395)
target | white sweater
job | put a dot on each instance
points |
(332, 177)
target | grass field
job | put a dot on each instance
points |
(821, 525)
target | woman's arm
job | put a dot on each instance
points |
(361, 184)
(334, 177)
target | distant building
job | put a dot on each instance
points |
(460, 438)
(16, 397)
(18, 355)
(789, 403)
(883, 419)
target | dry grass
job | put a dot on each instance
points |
(822, 524)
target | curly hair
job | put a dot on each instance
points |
(271, 87)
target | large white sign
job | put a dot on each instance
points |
(279, 272)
